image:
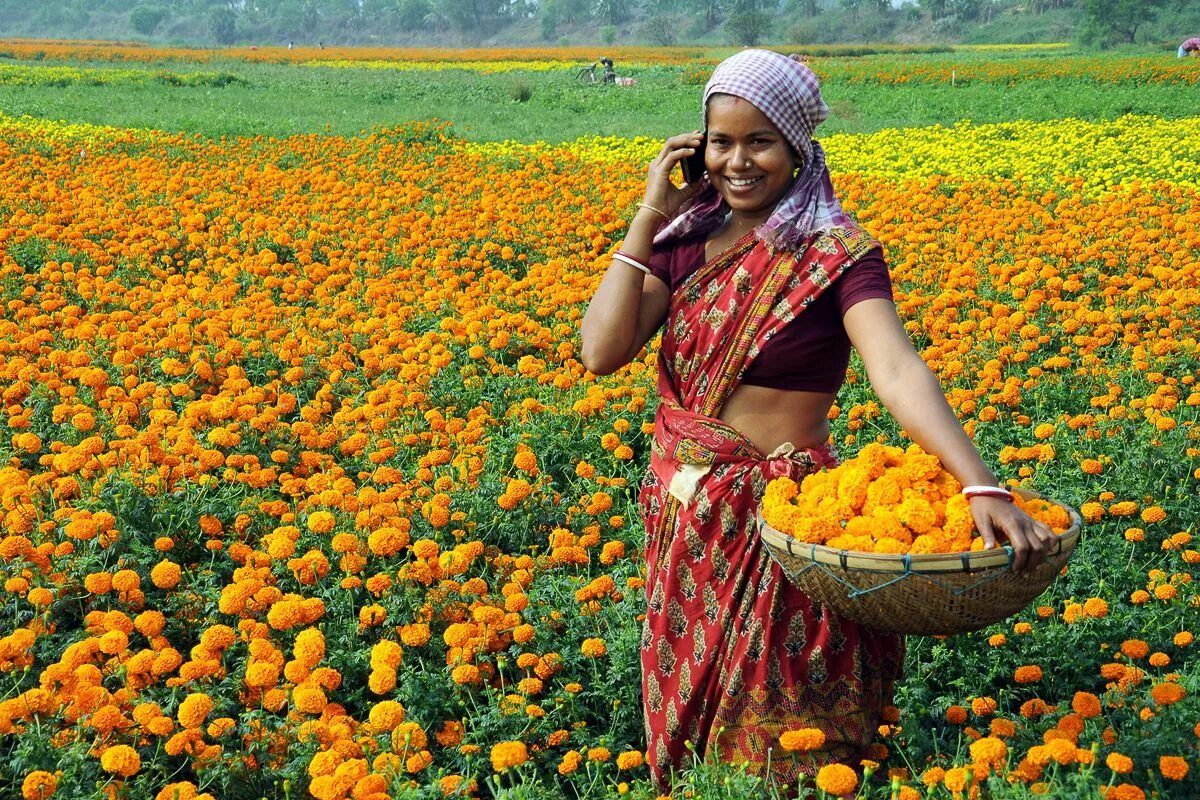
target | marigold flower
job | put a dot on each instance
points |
(631, 759)
(1173, 768)
(1028, 674)
(508, 754)
(38, 785)
(837, 779)
(121, 760)
(1167, 693)
(1119, 763)
(803, 740)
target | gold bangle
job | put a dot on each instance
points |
(658, 211)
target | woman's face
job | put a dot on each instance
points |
(748, 160)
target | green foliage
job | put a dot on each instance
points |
(222, 25)
(1111, 22)
(660, 29)
(748, 27)
(521, 92)
(146, 19)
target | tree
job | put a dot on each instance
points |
(145, 19)
(1109, 22)
(222, 22)
(748, 27)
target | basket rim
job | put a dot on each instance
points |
(966, 561)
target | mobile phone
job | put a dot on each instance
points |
(693, 165)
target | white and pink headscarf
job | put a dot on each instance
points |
(787, 92)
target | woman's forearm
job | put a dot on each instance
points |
(611, 325)
(913, 395)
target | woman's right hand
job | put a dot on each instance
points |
(661, 192)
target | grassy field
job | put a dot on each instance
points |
(304, 491)
(277, 100)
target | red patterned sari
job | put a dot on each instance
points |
(733, 655)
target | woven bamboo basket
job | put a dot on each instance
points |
(926, 595)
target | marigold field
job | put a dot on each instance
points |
(305, 493)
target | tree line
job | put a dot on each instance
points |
(661, 22)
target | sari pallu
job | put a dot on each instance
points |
(733, 654)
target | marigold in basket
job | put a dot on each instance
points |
(886, 500)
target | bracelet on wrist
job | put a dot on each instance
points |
(631, 261)
(655, 210)
(998, 492)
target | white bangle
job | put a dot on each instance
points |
(987, 491)
(631, 262)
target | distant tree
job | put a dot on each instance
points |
(852, 6)
(660, 29)
(713, 11)
(146, 19)
(936, 8)
(748, 27)
(413, 15)
(613, 12)
(222, 23)
(1109, 22)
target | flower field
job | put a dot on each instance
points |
(305, 492)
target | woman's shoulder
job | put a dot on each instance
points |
(852, 242)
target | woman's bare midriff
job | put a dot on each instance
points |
(770, 417)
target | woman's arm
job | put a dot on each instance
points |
(629, 305)
(913, 395)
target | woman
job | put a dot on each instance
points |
(764, 284)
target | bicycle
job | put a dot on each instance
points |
(587, 75)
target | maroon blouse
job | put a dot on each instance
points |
(811, 352)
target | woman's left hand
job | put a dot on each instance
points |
(1031, 540)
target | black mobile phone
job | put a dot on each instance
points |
(693, 165)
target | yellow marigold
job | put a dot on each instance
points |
(121, 760)
(630, 759)
(837, 779)
(509, 754)
(593, 648)
(802, 740)
(1095, 607)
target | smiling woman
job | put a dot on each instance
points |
(763, 283)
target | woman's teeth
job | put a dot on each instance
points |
(743, 181)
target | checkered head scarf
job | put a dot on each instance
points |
(788, 93)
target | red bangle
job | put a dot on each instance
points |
(999, 492)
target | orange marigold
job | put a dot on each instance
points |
(1173, 768)
(802, 740)
(837, 779)
(509, 754)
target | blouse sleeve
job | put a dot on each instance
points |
(866, 279)
(660, 264)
